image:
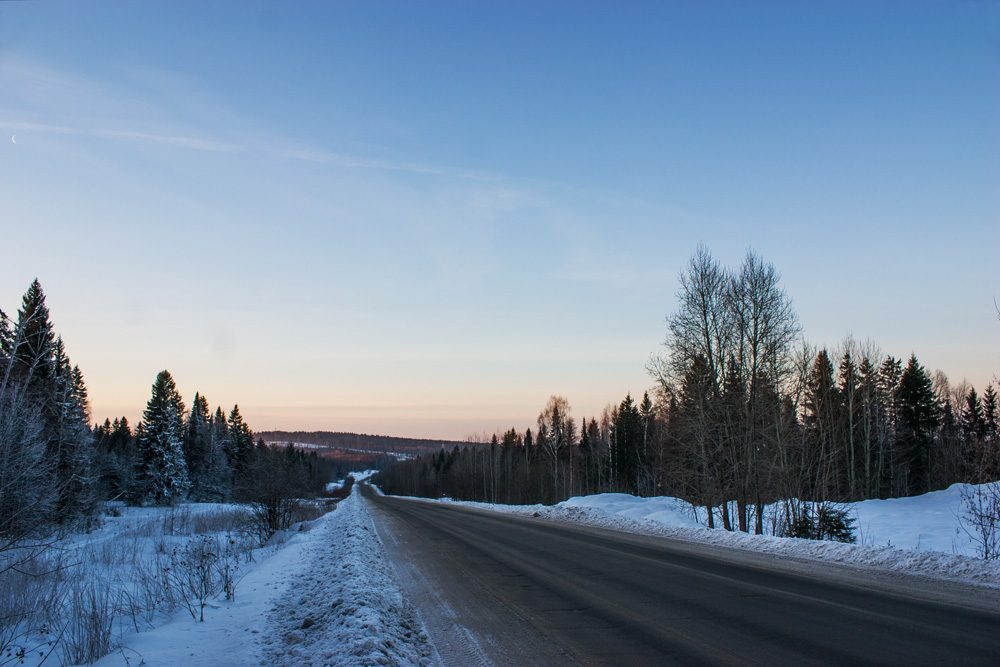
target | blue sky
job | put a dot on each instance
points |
(425, 218)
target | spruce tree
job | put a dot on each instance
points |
(627, 435)
(241, 445)
(161, 472)
(972, 415)
(6, 341)
(70, 439)
(919, 416)
(990, 414)
(849, 409)
(197, 444)
(219, 473)
(820, 419)
(34, 345)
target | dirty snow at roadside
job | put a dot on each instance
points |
(919, 535)
(328, 596)
(346, 608)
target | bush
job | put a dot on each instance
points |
(981, 518)
(344, 491)
(828, 522)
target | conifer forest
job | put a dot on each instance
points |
(744, 412)
(56, 468)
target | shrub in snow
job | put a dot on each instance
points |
(981, 518)
(826, 522)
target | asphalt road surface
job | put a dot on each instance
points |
(496, 589)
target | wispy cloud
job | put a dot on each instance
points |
(216, 146)
(324, 157)
(39, 88)
(125, 135)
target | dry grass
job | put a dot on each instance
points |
(79, 598)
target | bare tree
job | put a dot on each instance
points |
(556, 432)
(742, 326)
(764, 330)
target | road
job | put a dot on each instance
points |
(496, 589)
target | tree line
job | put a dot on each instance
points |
(744, 413)
(55, 468)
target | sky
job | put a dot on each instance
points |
(423, 219)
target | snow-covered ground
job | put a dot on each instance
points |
(321, 594)
(328, 596)
(922, 534)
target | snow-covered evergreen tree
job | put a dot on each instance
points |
(70, 438)
(161, 472)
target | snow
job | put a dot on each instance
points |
(346, 608)
(923, 523)
(922, 535)
(328, 596)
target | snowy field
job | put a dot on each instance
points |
(327, 596)
(87, 590)
(320, 594)
(921, 535)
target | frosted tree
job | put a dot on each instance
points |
(161, 472)
(71, 443)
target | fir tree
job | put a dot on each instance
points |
(972, 415)
(241, 446)
(627, 434)
(919, 416)
(197, 444)
(820, 419)
(6, 341)
(161, 474)
(70, 439)
(990, 416)
(33, 347)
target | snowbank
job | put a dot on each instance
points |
(346, 608)
(921, 535)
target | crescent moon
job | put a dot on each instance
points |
(12, 139)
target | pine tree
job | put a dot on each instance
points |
(990, 414)
(919, 416)
(868, 417)
(820, 420)
(696, 428)
(627, 436)
(241, 446)
(6, 342)
(161, 474)
(33, 347)
(197, 444)
(70, 439)
(850, 407)
(972, 415)
(890, 456)
(114, 458)
(219, 476)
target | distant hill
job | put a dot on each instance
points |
(360, 442)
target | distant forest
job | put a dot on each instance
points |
(350, 452)
(743, 413)
(359, 441)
